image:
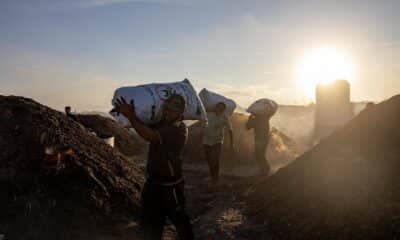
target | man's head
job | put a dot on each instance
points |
(173, 108)
(220, 108)
(67, 109)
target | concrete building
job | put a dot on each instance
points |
(333, 108)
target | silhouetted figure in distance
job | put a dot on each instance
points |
(69, 114)
(261, 126)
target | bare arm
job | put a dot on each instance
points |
(203, 125)
(229, 126)
(144, 131)
(128, 110)
(250, 122)
(231, 137)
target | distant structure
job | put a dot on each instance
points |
(333, 108)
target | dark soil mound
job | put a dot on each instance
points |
(49, 197)
(126, 142)
(347, 187)
(281, 150)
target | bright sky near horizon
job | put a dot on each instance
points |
(77, 52)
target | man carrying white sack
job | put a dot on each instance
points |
(213, 138)
(260, 123)
(163, 192)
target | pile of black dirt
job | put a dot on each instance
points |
(347, 187)
(126, 142)
(282, 149)
(56, 177)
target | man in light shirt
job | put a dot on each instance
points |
(213, 138)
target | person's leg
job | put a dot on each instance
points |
(207, 154)
(182, 224)
(178, 215)
(260, 151)
(267, 165)
(216, 160)
(213, 158)
(153, 226)
(264, 161)
(153, 218)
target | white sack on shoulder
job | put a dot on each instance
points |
(210, 99)
(260, 106)
(149, 99)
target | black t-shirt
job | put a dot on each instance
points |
(164, 164)
(261, 127)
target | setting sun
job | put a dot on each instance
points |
(322, 66)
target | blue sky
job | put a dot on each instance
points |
(79, 51)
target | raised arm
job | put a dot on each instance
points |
(128, 110)
(250, 122)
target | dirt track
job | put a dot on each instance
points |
(94, 192)
(346, 187)
(217, 213)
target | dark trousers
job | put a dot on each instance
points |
(260, 155)
(160, 202)
(212, 154)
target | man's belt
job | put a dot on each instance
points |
(166, 183)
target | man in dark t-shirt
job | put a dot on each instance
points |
(260, 124)
(163, 192)
(164, 162)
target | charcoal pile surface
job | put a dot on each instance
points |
(347, 187)
(56, 177)
(126, 142)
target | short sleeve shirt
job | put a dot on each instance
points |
(164, 163)
(261, 128)
(215, 129)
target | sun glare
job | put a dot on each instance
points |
(323, 66)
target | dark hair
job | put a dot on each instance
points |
(176, 102)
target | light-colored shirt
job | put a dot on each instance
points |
(215, 129)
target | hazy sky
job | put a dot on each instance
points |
(78, 51)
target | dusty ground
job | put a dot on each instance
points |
(93, 192)
(217, 213)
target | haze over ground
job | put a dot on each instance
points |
(77, 52)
